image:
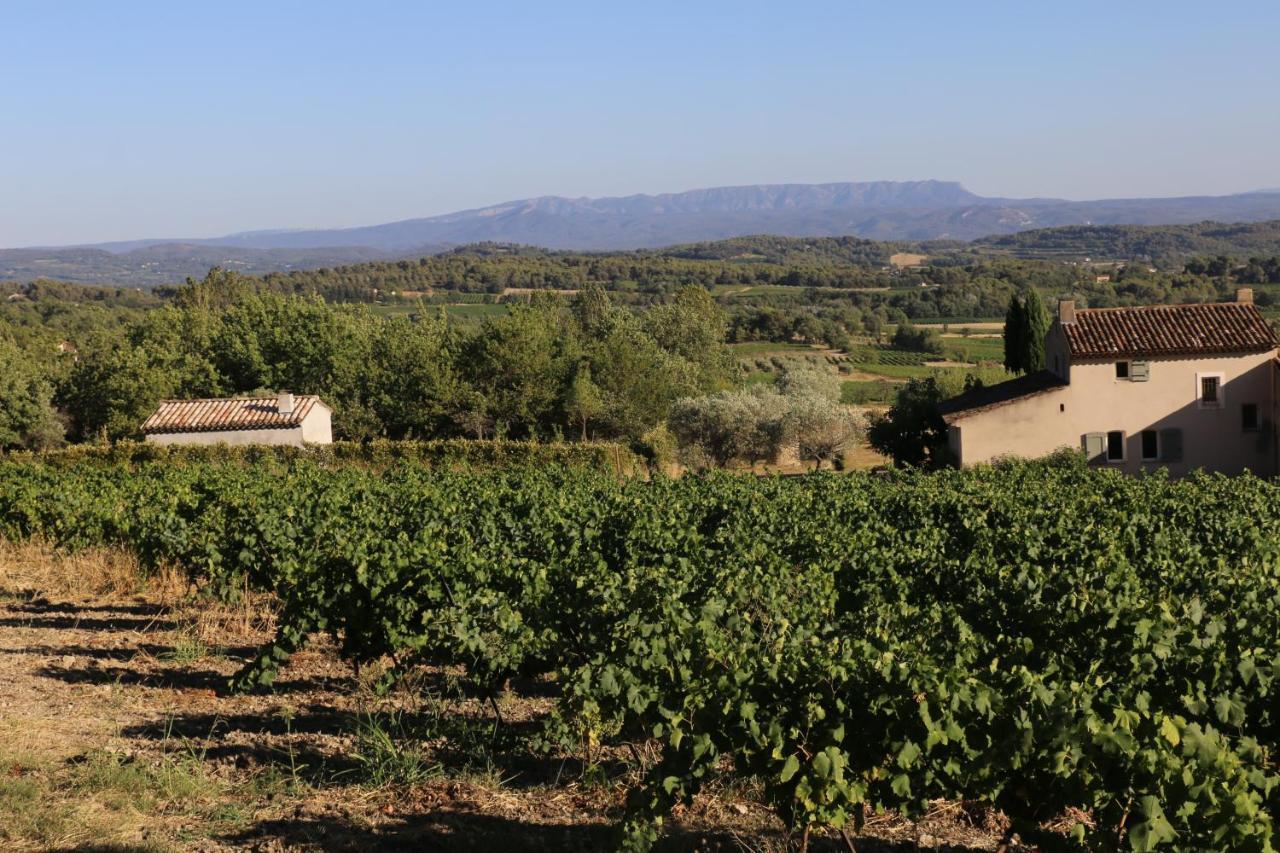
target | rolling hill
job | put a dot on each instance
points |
(911, 211)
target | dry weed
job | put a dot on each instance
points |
(36, 568)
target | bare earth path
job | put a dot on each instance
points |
(116, 733)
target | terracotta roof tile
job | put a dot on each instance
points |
(1168, 330)
(231, 414)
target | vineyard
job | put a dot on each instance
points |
(1092, 655)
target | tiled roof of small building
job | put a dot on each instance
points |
(1168, 330)
(232, 414)
(991, 396)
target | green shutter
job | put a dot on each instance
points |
(1171, 445)
(1095, 446)
(1139, 371)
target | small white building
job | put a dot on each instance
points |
(285, 419)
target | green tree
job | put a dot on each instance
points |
(1025, 325)
(1014, 328)
(912, 432)
(1035, 319)
(639, 381)
(593, 310)
(410, 385)
(27, 417)
(820, 428)
(112, 389)
(693, 327)
(747, 425)
(584, 402)
(521, 363)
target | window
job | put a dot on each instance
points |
(1249, 417)
(1209, 391)
(1150, 445)
(1115, 446)
(1122, 370)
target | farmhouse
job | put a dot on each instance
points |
(1179, 387)
(284, 419)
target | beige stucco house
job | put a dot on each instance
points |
(1179, 387)
(284, 419)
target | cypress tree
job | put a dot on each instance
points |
(1035, 320)
(1014, 326)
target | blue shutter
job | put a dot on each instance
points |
(1095, 446)
(1171, 445)
(1139, 371)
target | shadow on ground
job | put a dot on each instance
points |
(469, 832)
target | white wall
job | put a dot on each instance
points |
(234, 437)
(317, 427)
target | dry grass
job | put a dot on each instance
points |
(35, 568)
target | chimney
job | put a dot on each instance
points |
(1066, 310)
(284, 405)
(1244, 295)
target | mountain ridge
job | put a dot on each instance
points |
(898, 211)
(884, 210)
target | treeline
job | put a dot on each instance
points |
(538, 371)
(948, 286)
(495, 273)
(799, 251)
(1164, 245)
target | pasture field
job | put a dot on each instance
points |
(333, 656)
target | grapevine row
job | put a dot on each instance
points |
(1041, 638)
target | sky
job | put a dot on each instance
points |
(129, 120)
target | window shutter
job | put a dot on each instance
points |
(1171, 445)
(1095, 446)
(1139, 371)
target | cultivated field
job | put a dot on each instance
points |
(304, 653)
(117, 733)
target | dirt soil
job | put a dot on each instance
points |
(117, 733)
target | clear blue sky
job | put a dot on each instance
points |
(140, 119)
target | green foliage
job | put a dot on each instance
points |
(1041, 638)
(513, 375)
(912, 432)
(1025, 324)
(376, 455)
(917, 339)
(749, 426)
(1162, 245)
(754, 425)
(1015, 329)
(1036, 320)
(584, 403)
(27, 417)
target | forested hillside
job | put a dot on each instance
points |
(1162, 245)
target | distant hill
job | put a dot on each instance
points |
(896, 211)
(1161, 244)
(168, 263)
(881, 210)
